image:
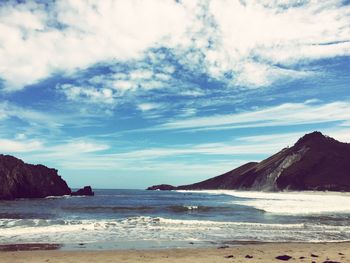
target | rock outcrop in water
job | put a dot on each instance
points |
(163, 187)
(22, 180)
(84, 191)
(315, 162)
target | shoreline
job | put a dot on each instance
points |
(100, 247)
(266, 252)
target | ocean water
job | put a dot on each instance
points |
(138, 219)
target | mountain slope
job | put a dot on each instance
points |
(315, 162)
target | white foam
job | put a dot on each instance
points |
(57, 196)
(191, 207)
(162, 229)
(291, 203)
(232, 224)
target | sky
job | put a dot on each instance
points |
(128, 94)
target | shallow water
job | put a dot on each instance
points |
(161, 219)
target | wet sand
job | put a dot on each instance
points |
(299, 252)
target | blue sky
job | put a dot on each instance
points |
(126, 94)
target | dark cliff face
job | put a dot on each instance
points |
(315, 162)
(325, 165)
(21, 180)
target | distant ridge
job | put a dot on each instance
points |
(315, 162)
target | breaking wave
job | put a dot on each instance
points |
(290, 203)
(162, 229)
(126, 209)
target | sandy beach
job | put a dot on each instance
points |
(299, 252)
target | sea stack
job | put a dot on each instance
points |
(86, 190)
(163, 187)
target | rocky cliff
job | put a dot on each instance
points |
(21, 180)
(315, 162)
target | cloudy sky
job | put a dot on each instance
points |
(125, 94)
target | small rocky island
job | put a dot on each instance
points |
(21, 180)
(316, 162)
(86, 190)
(163, 187)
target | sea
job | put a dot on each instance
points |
(140, 219)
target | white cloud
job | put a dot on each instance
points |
(148, 106)
(123, 85)
(141, 74)
(188, 112)
(150, 85)
(15, 146)
(85, 155)
(66, 150)
(340, 134)
(21, 136)
(282, 34)
(27, 122)
(32, 49)
(28, 115)
(119, 84)
(242, 38)
(74, 147)
(284, 138)
(88, 94)
(252, 37)
(289, 138)
(167, 169)
(282, 115)
(229, 148)
(192, 93)
(254, 74)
